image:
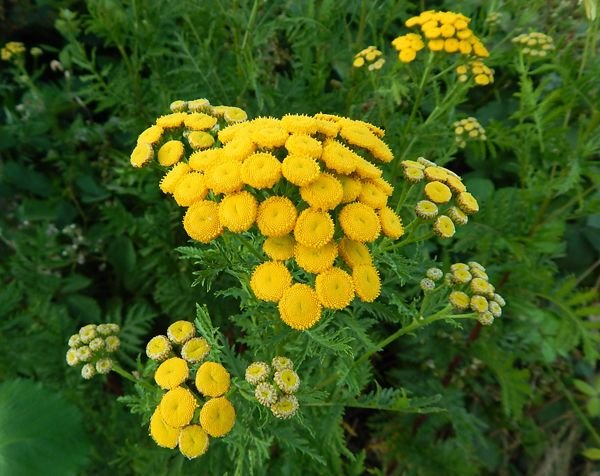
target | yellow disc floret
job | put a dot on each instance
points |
(158, 348)
(181, 331)
(303, 145)
(334, 288)
(177, 407)
(325, 193)
(300, 170)
(354, 253)
(217, 417)
(261, 170)
(225, 176)
(193, 441)
(163, 435)
(190, 189)
(315, 260)
(201, 221)
(141, 155)
(195, 349)
(279, 248)
(438, 192)
(170, 153)
(212, 379)
(171, 121)
(359, 222)
(269, 281)
(444, 227)
(276, 216)
(300, 307)
(314, 228)
(367, 284)
(152, 135)
(199, 121)
(200, 140)
(173, 176)
(171, 373)
(391, 224)
(237, 211)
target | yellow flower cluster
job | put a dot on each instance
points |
(443, 31)
(482, 75)
(175, 421)
(472, 290)
(535, 44)
(92, 346)
(12, 49)
(247, 177)
(468, 129)
(370, 56)
(275, 385)
(444, 192)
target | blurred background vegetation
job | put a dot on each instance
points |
(85, 238)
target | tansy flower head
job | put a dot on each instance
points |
(158, 348)
(261, 170)
(459, 300)
(203, 160)
(372, 196)
(266, 394)
(314, 228)
(438, 192)
(495, 309)
(171, 121)
(499, 299)
(173, 176)
(315, 260)
(287, 380)
(72, 358)
(280, 362)
(367, 284)
(479, 304)
(413, 174)
(217, 416)
(303, 145)
(354, 253)
(481, 286)
(181, 331)
(199, 121)
(195, 349)
(256, 372)
(141, 155)
(151, 136)
(427, 285)
(457, 216)
(88, 333)
(334, 288)
(426, 209)
(234, 115)
(299, 124)
(391, 224)
(269, 137)
(200, 140)
(370, 56)
(237, 211)
(407, 46)
(279, 248)
(103, 330)
(276, 216)
(201, 221)
(351, 188)
(170, 153)
(299, 307)
(270, 280)
(104, 366)
(486, 318)
(163, 435)
(177, 407)
(84, 353)
(339, 158)
(212, 379)
(324, 193)
(88, 371)
(225, 177)
(171, 373)
(112, 343)
(239, 148)
(300, 170)
(193, 441)
(75, 341)
(97, 344)
(359, 222)
(467, 203)
(190, 189)
(461, 275)
(198, 105)
(286, 407)
(444, 227)
(178, 106)
(434, 274)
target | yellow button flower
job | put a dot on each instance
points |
(315, 260)
(276, 216)
(367, 284)
(269, 281)
(195, 349)
(299, 307)
(193, 441)
(163, 435)
(354, 253)
(279, 248)
(171, 373)
(177, 407)
(335, 289)
(238, 211)
(201, 221)
(314, 228)
(181, 331)
(212, 379)
(359, 222)
(170, 153)
(217, 417)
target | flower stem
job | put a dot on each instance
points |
(129, 376)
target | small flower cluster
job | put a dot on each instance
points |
(443, 31)
(442, 187)
(432, 276)
(493, 19)
(175, 421)
(275, 385)
(11, 50)
(472, 290)
(370, 56)
(535, 44)
(247, 179)
(468, 129)
(482, 75)
(93, 346)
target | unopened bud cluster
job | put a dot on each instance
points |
(371, 57)
(468, 129)
(93, 346)
(275, 385)
(535, 44)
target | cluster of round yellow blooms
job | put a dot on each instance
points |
(468, 129)
(12, 49)
(440, 31)
(188, 413)
(275, 385)
(535, 44)
(92, 346)
(370, 56)
(447, 203)
(246, 178)
(471, 290)
(482, 75)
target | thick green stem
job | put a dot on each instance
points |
(129, 376)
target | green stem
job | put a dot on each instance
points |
(250, 24)
(129, 376)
